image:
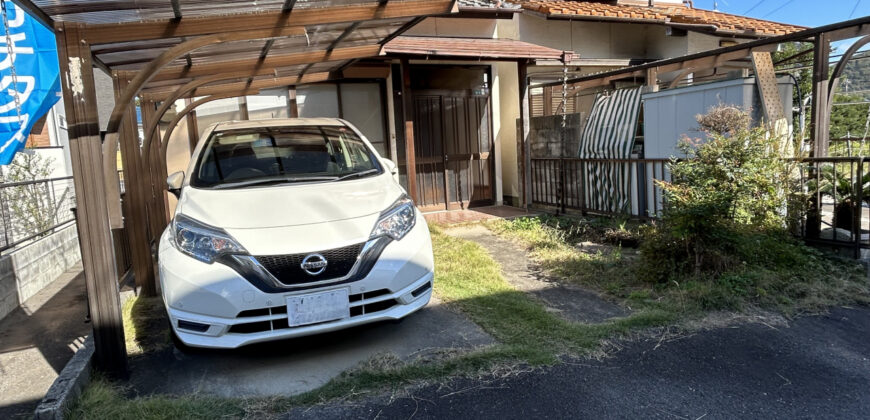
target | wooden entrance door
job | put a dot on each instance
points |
(453, 143)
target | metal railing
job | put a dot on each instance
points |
(31, 209)
(838, 204)
(624, 187)
(832, 200)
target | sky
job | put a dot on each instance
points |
(799, 12)
(810, 13)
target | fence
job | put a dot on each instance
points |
(838, 194)
(602, 186)
(31, 209)
(833, 192)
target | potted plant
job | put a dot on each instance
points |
(844, 190)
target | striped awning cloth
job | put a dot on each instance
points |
(609, 134)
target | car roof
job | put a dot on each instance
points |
(279, 122)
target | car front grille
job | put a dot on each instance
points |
(287, 269)
(281, 322)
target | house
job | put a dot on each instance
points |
(452, 83)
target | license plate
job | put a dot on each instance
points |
(318, 307)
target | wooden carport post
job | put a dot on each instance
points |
(156, 176)
(95, 237)
(135, 185)
(820, 125)
(820, 116)
(192, 127)
(408, 115)
(524, 130)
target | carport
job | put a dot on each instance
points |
(158, 52)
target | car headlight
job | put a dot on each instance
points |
(203, 242)
(397, 220)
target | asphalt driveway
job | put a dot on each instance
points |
(816, 367)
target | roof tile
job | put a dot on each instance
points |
(674, 14)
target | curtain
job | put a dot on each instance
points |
(609, 134)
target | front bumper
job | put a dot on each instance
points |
(237, 313)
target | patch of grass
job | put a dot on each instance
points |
(553, 243)
(103, 400)
(145, 325)
(468, 278)
(774, 272)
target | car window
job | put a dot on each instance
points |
(297, 153)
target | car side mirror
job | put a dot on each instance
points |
(174, 182)
(391, 166)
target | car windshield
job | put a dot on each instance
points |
(255, 156)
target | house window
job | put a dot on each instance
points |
(271, 103)
(360, 103)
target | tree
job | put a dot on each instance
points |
(30, 208)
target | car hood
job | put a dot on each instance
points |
(290, 204)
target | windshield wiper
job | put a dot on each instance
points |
(355, 174)
(265, 181)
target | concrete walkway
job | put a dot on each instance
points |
(294, 366)
(572, 302)
(816, 367)
(36, 341)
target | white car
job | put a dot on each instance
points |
(289, 227)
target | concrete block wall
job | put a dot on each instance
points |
(29, 269)
(550, 140)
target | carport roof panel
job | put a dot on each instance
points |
(133, 56)
(130, 34)
(96, 12)
(481, 48)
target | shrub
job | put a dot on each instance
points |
(728, 187)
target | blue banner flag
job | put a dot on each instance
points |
(29, 78)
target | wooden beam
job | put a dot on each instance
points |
(155, 171)
(652, 77)
(243, 108)
(408, 115)
(35, 11)
(269, 64)
(95, 238)
(130, 46)
(523, 139)
(135, 185)
(195, 26)
(235, 85)
(292, 105)
(820, 121)
(860, 28)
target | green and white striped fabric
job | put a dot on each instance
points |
(609, 134)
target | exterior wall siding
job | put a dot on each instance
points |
(670, 115)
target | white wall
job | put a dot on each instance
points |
(453, 27)
(670, 115)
